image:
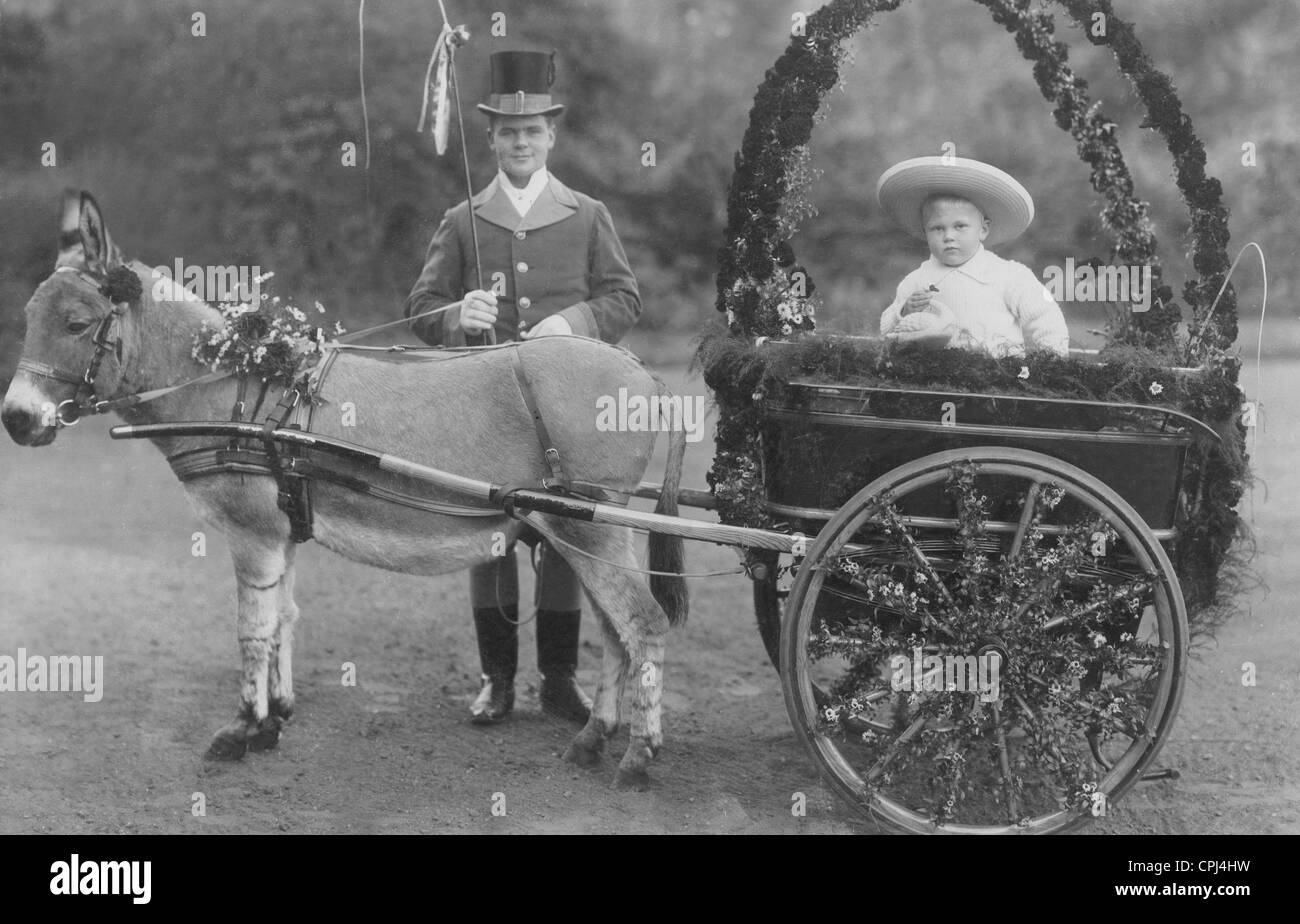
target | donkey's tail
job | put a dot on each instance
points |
(666, 552)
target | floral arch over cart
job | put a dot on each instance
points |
(1069, 735)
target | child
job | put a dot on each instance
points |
(966, 296)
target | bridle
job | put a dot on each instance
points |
(84, 400)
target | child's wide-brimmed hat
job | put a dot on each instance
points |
(1005, 203)
(521, 84)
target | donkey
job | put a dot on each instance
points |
(462, 413)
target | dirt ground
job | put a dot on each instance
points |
(95, 558)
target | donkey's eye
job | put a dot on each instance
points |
(77, 326)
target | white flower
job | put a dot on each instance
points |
(1156, 388)
(1024, 372)
(320, 308)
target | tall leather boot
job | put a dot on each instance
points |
(498, 651)
(557, 659)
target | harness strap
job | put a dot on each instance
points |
(291, 490)
(237, 412)
(47, 371)
(102, 346)
(261, 397)
(557, 480)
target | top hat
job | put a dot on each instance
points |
(521, 84)
(1005, 203)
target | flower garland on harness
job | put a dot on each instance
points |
(265, 338)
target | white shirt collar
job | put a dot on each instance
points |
(980, 267)
(523, 199)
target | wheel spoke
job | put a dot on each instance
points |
(1026, 518)
(1004, 764)
(904, 534)
(1095, 746)
(897, 745)
(1104, 603)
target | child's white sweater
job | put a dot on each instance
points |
(998, 305)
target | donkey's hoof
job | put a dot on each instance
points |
(282, 708)
(266, 735)
(583, 755)
(228, 744)
(636, 779)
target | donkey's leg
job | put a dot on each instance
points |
(259, 568)
(590, 742)
(647, 734)
(281, 666)
(637, 620)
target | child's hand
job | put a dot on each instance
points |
(917, 301)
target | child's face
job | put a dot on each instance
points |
(954, 229)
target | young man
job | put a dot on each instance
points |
(551, 264)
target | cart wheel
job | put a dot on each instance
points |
(1002, 640)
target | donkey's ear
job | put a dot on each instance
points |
(71, 253)
(84, 241)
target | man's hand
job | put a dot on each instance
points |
(917, 301)
(478, 311)
(549, 327)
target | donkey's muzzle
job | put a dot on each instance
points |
(25, 427)
(18, 424)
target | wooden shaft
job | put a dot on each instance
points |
(540, 501)
(686, 496)
(656, 522)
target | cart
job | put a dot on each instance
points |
(976, 624)
(1012, 541)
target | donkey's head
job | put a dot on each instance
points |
(68, 325)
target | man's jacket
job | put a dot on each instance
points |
(563, 258)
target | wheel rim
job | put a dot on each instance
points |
(1082, 704)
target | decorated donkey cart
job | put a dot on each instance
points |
(1060, 518)
(976, 583)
